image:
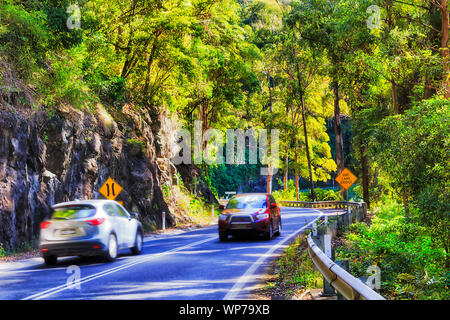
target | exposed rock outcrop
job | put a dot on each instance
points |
(192, 178)
(67, 155)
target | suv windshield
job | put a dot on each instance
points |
(248, 202)
(73, 212)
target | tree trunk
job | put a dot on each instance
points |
(394, 97)
(270, 92)
(269, 179)
(296, 169)
(444, 45)
(151, 58)
(308, 156)
(129, 61)
(338, 135)
(365, 174)
(119, 40)
(286, 170)
(305, 132)
(428, 91)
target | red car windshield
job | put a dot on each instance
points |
(248, 202)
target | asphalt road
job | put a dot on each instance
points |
(192, 265)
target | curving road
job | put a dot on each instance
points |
(193, 265)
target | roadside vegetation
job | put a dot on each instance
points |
(412, 262)
(188, 209)
(293, 274)
(23, 251)
(410, 232)
(321, 194)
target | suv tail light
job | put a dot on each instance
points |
(95, 222)
(45, 224)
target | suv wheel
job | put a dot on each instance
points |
(111, 249)
(279, 228)
(50, 260)
(269, 234)
(223, 236)
(138, 243)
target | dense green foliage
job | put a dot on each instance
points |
(296, 267)
(230, 177)
(295, 273)
(322, 194)
(294, 65)
(412, 263)
(413, 149)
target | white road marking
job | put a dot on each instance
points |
(231, 294)
(52, 291)
(239, 285)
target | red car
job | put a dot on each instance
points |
(255, 213)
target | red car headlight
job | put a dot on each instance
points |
(262, 216)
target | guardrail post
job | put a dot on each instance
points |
(314, 229)
(323, 257)
(328, 290)
(344, 265)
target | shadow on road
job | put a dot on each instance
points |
(79, 261)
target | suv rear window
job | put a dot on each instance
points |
(73, 212)
(250, 201)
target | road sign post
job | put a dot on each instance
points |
(348, 206)
(164, 221)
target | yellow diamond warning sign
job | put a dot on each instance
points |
(110, 189)
(346, 178)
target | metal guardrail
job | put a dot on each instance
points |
(319, 204)
(346, 284)
(342, 281)
(357, 211)
(310, 204)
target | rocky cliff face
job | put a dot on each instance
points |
(192, 178)
(67, 155)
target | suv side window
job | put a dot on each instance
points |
(111, 210)
(122, 212)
